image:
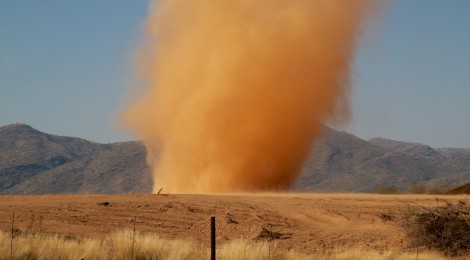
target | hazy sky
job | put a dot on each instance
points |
(66, 67)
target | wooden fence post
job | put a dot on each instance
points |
(212, 238)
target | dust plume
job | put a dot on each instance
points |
(237, 91)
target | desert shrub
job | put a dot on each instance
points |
(445, 228)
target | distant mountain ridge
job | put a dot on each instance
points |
(414, 149)
(32, 162)
(452, 156)
(345, 163)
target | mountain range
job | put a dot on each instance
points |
(342, 162)
(33, 162)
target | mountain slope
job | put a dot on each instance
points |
(414, 149)
(341, 162)
(464, 189)
(32, 162)
(35, 162)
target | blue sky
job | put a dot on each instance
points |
(66, 68)
(413, 75)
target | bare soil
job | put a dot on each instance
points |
(304, 222)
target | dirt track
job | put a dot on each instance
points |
(305, 222)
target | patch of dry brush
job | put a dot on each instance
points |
(124, 245)
(445, 228)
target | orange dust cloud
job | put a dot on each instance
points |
(237, 91)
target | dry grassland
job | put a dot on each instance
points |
(304, 226)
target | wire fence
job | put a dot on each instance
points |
(126, 244)
(130, 243)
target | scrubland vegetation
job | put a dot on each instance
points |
(124, 244)
(302, 226)
(444, 228)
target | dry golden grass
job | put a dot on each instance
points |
(245, 250)
(148, 246)
(353, 254)
(311, 226)
(40, 246)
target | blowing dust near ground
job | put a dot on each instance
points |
(237, 91)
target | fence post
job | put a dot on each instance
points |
(213, 238)
(12, 230)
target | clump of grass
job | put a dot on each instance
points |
(42, 246)
(360, 254)
(445, 228)
(127, 245)
(242, 249)
(263, 250)
(118, 245)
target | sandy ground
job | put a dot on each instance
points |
(305, 222)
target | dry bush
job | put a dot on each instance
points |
(446, 228)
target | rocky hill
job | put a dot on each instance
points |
(464, 189)
(32, 162)
(414, 149)
(341, 162)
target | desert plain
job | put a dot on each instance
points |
(305, 223)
